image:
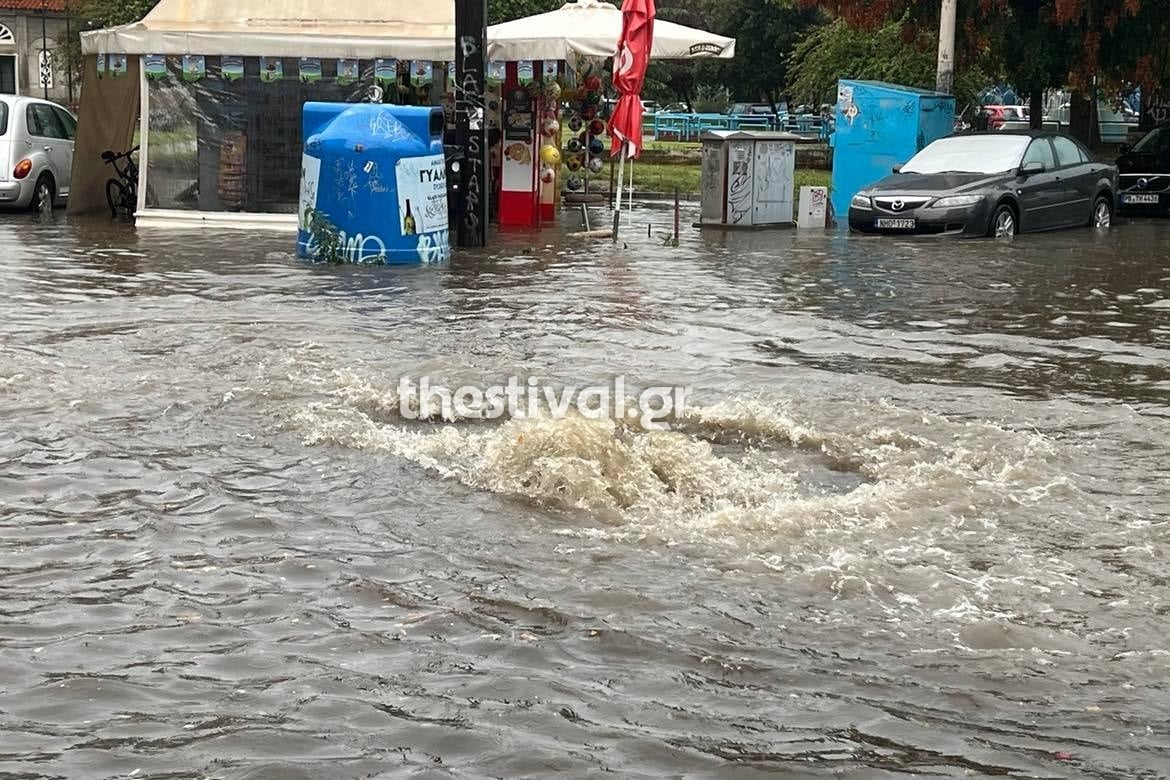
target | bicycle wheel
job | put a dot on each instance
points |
(115, 196)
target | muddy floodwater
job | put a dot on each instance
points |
(914, 518)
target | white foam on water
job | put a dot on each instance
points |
(920, 501)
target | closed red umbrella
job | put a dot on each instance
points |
(629, 72)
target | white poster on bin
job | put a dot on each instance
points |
(422, 194)
(310, 177)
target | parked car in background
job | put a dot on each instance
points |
(1113, 123)
(1145, 173)
(998, 115)
(758, 109)
(36, 152)
(746, 109)
(995, 183)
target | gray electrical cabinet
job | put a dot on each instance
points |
(747, 179)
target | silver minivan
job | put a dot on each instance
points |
(36, 152)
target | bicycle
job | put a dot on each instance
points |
(122, 192)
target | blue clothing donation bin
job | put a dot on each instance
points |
(881, 125)
(375, 174)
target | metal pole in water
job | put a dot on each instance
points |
(617, 212)
(676, 217)
(631, 188)
(471, 118)
(612, 171)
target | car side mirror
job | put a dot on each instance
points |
(1032, 168)
(1124, 149)
(898, 169)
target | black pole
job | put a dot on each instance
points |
(44, 58)
(471, 118)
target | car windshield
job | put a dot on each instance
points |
(969, 154)
(3, 118)
(1154, 141)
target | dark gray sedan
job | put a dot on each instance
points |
(997, 183)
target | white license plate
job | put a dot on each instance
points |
(901, 223)
(1139, 198)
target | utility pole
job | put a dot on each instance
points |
(43, 61)
(945, 81)
(69, 60)
(471, 120)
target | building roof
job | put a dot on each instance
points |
(56, 6)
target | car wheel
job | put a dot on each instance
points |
(42, 200)
(1102, 214)
(1003, 222)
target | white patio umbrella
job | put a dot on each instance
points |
(591, 28)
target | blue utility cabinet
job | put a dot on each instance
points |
(374, 176)
(881, 125)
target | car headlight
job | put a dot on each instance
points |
(951, 201)
(861, 202)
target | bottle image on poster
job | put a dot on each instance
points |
(422, 194)
(409, 227)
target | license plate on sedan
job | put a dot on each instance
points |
(898, 223)
(1139, 198)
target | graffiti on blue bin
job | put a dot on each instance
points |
(375, 175)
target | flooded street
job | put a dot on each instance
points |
(913, 520)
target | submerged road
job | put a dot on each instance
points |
(914, 519)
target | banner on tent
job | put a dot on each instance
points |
(271, 69)
(496, 73)
(231, 68)
(155, 66)
(310, 69)
(385, 72)
(421, 73)
(348, 72)
(194, 67)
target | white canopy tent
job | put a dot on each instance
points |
(591, 28)
(361, 29)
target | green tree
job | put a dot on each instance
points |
(766, 32)
(895, 52)
(507, 10)
(1040, 44)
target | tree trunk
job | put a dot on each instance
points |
(1082, 120)
(1036, 108)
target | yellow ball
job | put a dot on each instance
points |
(550, 155)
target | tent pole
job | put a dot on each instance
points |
(143, 136)
(617, 212)
(631, 187)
